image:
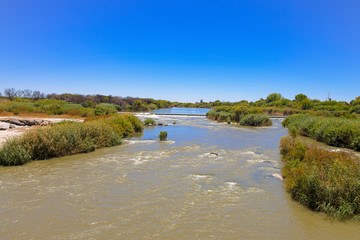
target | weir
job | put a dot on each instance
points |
(187, 114)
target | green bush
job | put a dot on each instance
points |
(149, 121)
(256, 120)
(163, 136)
(105, 109)
(67, 138)
(338, 132)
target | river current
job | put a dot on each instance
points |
(147, 189)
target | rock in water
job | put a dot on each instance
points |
(213, 155)
(16, 122)
(278, 176)
(4, 126)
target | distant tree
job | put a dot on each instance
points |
(10, 93)
(36, 95)
(89, 104)
(27, 93)
(19, 93)
(273, 97)
(299, 97)
(137, 105)
(201, 101)
(306, 104)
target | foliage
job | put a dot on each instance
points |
(67, 138)
(273, 97)
(163, 136)
(336, 132)
(322, 180)
(299, 97)
(149, 121)
(256, 120)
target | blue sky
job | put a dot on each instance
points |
(182, 50)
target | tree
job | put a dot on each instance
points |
(306, 104)
(273, 97)
(19, 93)
(300, 97)
(27, 93)
(10, 93)
(36, 95)
(137, 105)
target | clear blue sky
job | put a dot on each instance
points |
(182, 50)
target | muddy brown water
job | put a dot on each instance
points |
(146, 189)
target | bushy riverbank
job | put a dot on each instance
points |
(320, 179)
(239, 114)
(336, 132)
(66, 138)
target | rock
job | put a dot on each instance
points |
(278, 176)
(159, 124)
(12, 126)
(213, 155)
(15, 122)
(4, 126)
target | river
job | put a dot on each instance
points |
(146, 189)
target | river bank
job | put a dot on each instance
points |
(68, 138)
(7, 133)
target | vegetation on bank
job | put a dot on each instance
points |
(255, 120)
(15, 102)
(338, 132)
(66, 138)
(240, 114)
(275, 104)
(322, 180)
(149, 121)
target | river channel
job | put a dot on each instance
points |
(147, 189)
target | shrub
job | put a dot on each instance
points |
(333, 131)
(256, 120)
(149, 121)
(67, 138)
(322, 180)
(163, 136)
(105, 109)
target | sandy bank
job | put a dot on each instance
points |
(18, 130)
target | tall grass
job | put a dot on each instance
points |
(66, 138)
(322, 180)
(338, 132)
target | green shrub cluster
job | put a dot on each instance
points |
(322, 180)
(234, 113)
(57, 107)
(338, 132)
(163, 136)
(66, 138)
(149, 121)
(256, 120)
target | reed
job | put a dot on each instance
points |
(66, 138)
(320, 179)
(338, 132)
